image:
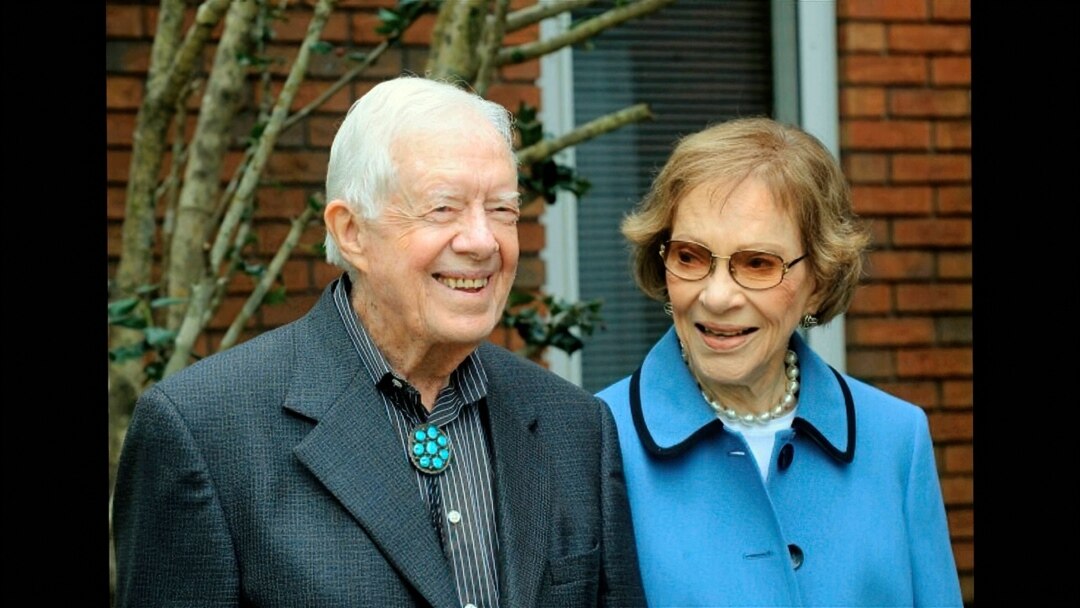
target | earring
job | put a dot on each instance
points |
(667, 308)
(809, 321)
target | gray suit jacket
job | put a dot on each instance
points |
(269, 475)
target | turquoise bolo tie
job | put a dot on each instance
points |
(429, 449)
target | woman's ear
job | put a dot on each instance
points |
(345, 227)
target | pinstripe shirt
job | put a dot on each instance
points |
(461, 498)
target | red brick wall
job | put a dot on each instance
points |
(297, 168)
(905, 120)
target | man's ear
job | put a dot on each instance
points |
(345, 227)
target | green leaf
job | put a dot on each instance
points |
(391, 22)
(321, 47)
(120, 308)
(275, 295)
(169, 301)
(356, 56)
(159, 336)
(132, 322)
(314, 203)
(126, 353)
(517, 298)
(143, 290)
(155, 370)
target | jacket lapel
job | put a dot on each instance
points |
(357, 456)
(522, 490)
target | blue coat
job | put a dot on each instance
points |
(851, 514)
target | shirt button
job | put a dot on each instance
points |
(454, 518)
(796, 555)
(397, 383)
(787, 453)
(469, 606)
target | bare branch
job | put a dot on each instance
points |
(170, 188)
(220, 102)
(494, 29)
(584, 31)
(266, 281)
(249, 182)
(538, 12)
(549, 147)
(369, 60)
(454, 40)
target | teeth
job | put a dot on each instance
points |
(724, 334)
(464, 283)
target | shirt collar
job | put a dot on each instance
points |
(469, 378)
(671, 415)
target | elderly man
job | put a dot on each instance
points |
(379, 451)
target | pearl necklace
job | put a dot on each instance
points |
(785, 405)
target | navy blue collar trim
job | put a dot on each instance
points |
(714, 427)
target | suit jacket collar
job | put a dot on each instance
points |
(671, 415)
(355, 453)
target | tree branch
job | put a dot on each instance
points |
(245, 192)
(454, 40)
(538, 12)
(266, 281)
(494, 29)
(584, 31)
(549, 147)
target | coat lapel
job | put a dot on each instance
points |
(522, 490)
(357, 456)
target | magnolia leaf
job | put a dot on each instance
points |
(126, 353)
(275, 295)
(169, 301)
(159, 336)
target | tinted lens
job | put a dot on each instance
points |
(757, 269)
(687, 260)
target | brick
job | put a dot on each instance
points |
(523, 36)
(527, 72)
(119, 128)
(932, 232)
(967, 588)
(903, 265)
(322, 129)
(961, 523)
(951, 10)
(227, 313)
(930, 103)
(952, 135)
(124, 21)
(297, 167)
(367, 3)
(933, 298)
(324, 273)
(531, 236)
(862, 37)
(964, 553)
(933, 168)
(957, 393)
(870, 299)
(867, 69)
(868, 364)
(890, 332)
(280, 203)
(882, 9)
(530, 273)
(127, 57)
(865, 168)
(885, 135)
(959, 458)
(296, 275)
(891, 200)
(933, 362)
(420, 32)
(953, 330)
(923, 394)
(511, 95)
(115, 198)
(954, 200)
(310, 90)
(880, 233)
(930, 38)
(954, 265)
(950, 70)
(862, 102)
(123, 93)
(294, 26)
(956, 490)
(363, 29)
(117, 163)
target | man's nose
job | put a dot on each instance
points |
(476, 237)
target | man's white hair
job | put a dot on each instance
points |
(361, 170)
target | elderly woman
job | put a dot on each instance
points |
(758, 474)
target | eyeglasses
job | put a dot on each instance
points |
(750, 269)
